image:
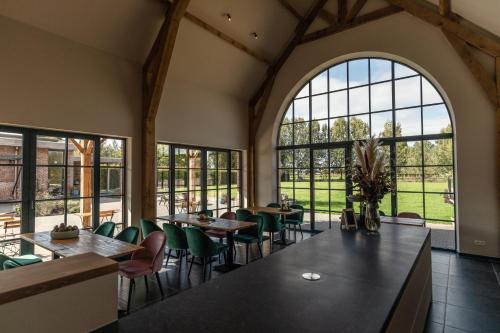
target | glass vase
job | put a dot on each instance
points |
(372, 217)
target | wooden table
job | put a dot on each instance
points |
(403, 221)
(85, 243)
(228, 226)
(283, 214)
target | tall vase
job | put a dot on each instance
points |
(372, 218)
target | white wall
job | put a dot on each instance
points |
(410, 40)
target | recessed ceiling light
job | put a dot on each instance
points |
(227, 16)
(254, 35)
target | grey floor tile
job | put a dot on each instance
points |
(469, 320)
(433, 327)
(475, 287)
(437, 312)
(449, 329)
(440, 268)
(440, 279)
(464, 298)
(439, 293)
(478, 276)
(461, 262)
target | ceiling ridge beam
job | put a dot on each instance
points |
(300, 30)
(355, 9)
(327, 16)
(204, 25)
(487, 44)
(324, 14)
(445, 7)
(341, 11)
(360, 20)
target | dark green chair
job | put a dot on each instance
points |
(7, 262)
(128, 235)
(242, 214)
(106, 229)
(381, 213)
(176, 240)
(296, 219)
(201, 246)
(251, 235)
(148, 227)
(273, 205)
(207, 212)
(271, 225)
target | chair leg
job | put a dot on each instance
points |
(301, 233)
(159, 284)
(225, 257)
(168, 256)
(247, 252)
(146, 282)
(204, 263)
(191, 266)
(260, 250)
(130, 287)
(294, 232)
(210, 271)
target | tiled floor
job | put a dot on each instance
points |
(466, 294)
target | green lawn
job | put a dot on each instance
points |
(435, 206)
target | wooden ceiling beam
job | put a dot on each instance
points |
(360, 20)
(484, 42)
(196, 20)
(341, 11)
(290, 9)
(356, 8)
(324, 14)
(445, 7)
(327, 16)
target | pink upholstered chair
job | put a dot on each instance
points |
(144, 262)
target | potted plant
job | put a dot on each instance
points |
(370, 177)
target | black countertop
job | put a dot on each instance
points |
(362, 277)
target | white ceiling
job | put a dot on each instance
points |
(127, 28)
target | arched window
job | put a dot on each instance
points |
(351, 101)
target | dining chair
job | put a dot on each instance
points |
(409, 215)
(273, 205)
(207, 212)
(144, 262)
(201, 246)
(296, 219)
(7, 262)
(271, 225)
(106, 229)
(242, 214)
(228, 216)
(148, 227)
(219, 234)
(128, 235)
(176, 240)
(251, 235)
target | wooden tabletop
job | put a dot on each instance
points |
(216, 224)
(85, 243)
(39, 278)
(402, 220)
(273, 210)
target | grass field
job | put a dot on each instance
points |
(435, 205)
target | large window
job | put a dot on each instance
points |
(351, 101)
(201, 178)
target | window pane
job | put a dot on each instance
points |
(319, 131)
(337, 201)
(338, 130)
(337, 158)
(11, 223)
(338, 77)
(438, 152)
(411, 202)
(111, 181)
(235, 178)
(303, 92)
(381, 96)
(162, 206)
(194, 202)
(223, 201)
(285, 139)
(436, 119)
(222, 178)
(402, 71)
(194, 158)
(49, 182)
(162, 155)
(302, 178)
(235, 197)
(302, 158)
(80, 213)
(439, 206)
(429, 94)
(409, 179)
(194, 179)
(360, 127)
(358, 72)
(181, 158)
(112, 152)
(337, 179)
(285, 158)
(288, 118)
(10, 182)
(409, 121)
(211, 179)
(212, 199)
(286, 178)
(301, 109)
(439, 179)
(320, 83)
(162, 179)
(409, 153)
(12, 148)
(301, 133)
(286, 193)
(320, 106)
(380, 70)
(81, 151)
(407, 92)
(385, 205)
(320, 158)
(235, 160)
(80, 182)
(212, 157)
(50, 150)
(321, 179)
(382, 124)
(48, 214)
(302, 197)
(358, 100)
(181, 202)
(181, 180)
(321, 200)
(223, 161)
(338, 103)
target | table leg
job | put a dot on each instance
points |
(229, 265)
(283, 240)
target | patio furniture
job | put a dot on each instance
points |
(10, 222)
(201, 246)
(144, 262)
(106, 229)
(148, 227)
(296, 219)
(7, 262)
(251, 235)
(176, 240)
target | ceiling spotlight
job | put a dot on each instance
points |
(227, 16)
(254, 35)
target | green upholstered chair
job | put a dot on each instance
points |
(201, 246)
(381, 213)
(106, 229)
(296, 219)
(207, 212)
(128, 235)
(273, 205)
(7, 262)
(271, 225)
(251, 235)
(176, 240)
(148, 227)
(242, 214)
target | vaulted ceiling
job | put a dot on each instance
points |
(127, 29)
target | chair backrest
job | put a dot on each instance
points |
(409, 215)
(207, 212)
(106, 229)
(200, 244)
(270, 223)
(129, 235)
(242, 214)
(273, 205)
(298, 216)
(8, 264)
(148, 227)
(381, 213)
(229, 216)
(153, 250)
(254, 231)
(3, 258)
(176, 237)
